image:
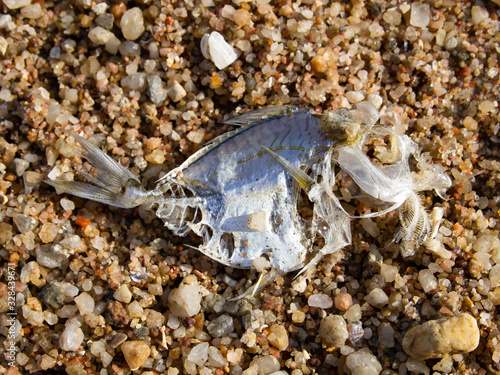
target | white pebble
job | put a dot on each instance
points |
(15, 4)
(363, 362)
(354, 96)
(420, 15)
(72, 336)
(85, 303)
(132, 24)
(215, 48)
(100, 36)
(479, 14)
(320, 300)
(377, 298)
(123, 294)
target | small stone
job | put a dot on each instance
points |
(320, 300)
(354, 96)
(136, 81)
(298, 316)
(156, 92)
(439, 338)
(479, 14)
(72, 336)
(427, 280)
(47, 362)
(420, 15)
(333, 331)
(175, 91)
(370, 227)
(48, 232)
(363, 362)
(353, 314)
(278, 337)
(388, 272)
(5, 232)
(199, 354)
(392, 17)
(32, 11)
(386, 335)
(415, 366)
(241, 17)
(51, 296)
(221, 326)
(215, 357)
(267, 364)
(24, 223)
(116, 314)
(214, 47)
(132, 24)
(123, 294)
(495, 276)
(20, 165)
(136, 353)
(15, 4)
(185, 301)
(100, 36)
(377, 298)
(85, 303)
(486, 106)
(470, 123)
(130, 49)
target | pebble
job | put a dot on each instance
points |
(48, 232)
(439, 338)
(175, 91)
(427, 280)
(123, 294)
(353, 314)
(333, 331)
(72, 336)
(320, 300)
(420, 15)
(388, 272)
(130, 49)
(363, 362)
(116, 315)
(278, 336)
(221, 326)
(24, 223)
(136, 81)
(479, 14)
(265, 364)
(100, 36)
(215, 357)
(156, 92)
(32, 11)
(343, 301)
(132, 24)
(377, 298)
(241, 17)
(136, 353)
(199, 354)
(354, 96)
(15, 4)
(185, 301)
(214, 47)
(85, 303)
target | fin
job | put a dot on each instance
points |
(111, 183)
(298, 174)
(260, 115)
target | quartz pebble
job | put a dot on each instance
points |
(439, 338)
(377, 298)
(278, 336)
(72, 336)
(363, 362)
(15, 4)
(199, 354)
(132, 24)
(85, 303)
(479, 14)
(221, 326)
(214, 47)
(135, 353)
(100, 36)
(420, 15)
(333, 331)
(175, 91)
(185, 301)
(123, 294)
(320, 300)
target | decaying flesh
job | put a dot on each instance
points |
(240, 192)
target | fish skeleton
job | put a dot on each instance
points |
(240, 192)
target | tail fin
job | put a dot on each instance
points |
(111, 183)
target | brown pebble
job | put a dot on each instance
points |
(343, 301)
(241, 17)
(116, 315)
(135, 353)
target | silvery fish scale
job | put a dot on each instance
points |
(239, 192)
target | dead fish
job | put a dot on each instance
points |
(240, 192)
(234, 192)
